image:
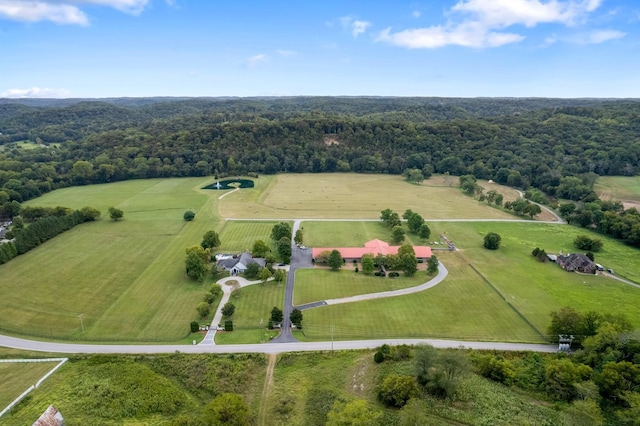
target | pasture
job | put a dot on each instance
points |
(240, 235)
(354, 196)
(16, 377)
(457, 309)
(619, 188)
(119, 281)
(316, 284)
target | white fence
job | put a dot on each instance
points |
(60, 362)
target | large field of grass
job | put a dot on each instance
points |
(240, 235)
(317, 284)
(348, 195)
(17, 377)
(464, 306)
(619, 188)
(121, 281)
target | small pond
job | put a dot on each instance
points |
(227, 184)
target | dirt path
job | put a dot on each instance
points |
(268, 384)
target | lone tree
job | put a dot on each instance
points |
(189, 215)
(210, 240)
(492, 241)
(335, 260)
(228, 309)
(115, 214)
(227, 409)
(277, 315)
(298, 238)
(296, 317)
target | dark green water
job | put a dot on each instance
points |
(226, 184)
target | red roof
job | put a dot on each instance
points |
(373, 247)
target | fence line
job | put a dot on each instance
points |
(60, 361)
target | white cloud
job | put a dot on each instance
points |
(359, 27)
(254, 60)
(35, 92)
(356, 26)
(479, 23)
(62, 11)
(416, 14)
(285, 53)
(596, 37)
(35, 11)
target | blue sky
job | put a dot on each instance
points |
(457, 48)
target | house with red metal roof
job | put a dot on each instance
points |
(374, 248)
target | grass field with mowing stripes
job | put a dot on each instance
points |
(317, 284)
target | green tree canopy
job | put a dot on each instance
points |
(335, 260)
(115, 214)
(189, 215)
(492, 241)
(228, 409)
(210, 240)
(260, 248)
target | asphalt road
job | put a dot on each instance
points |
(267, 348)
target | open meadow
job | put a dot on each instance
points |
(355, 196)
(465, 305)
(620, 188)
(124, 281)
(119, 281)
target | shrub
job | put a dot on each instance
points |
(228, 309)
(209, 298)
(492, 241)
(188, 215)
(378, 357)
(584, 242)
(396, 390)
(535, 252)
(195, 326)
(203, 309)
(215, 290)
(228, 325)
(590, 255)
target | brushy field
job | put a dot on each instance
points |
(16, 377)
(253, 310)
(174, 389)
(111, 390)
(360, 196)
(465, 306)
(122, 281)
(317, 284)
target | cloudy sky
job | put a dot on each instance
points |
(468, 48)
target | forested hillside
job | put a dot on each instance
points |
(520, 142)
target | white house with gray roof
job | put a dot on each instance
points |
(238, 264)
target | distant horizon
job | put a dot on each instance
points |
(566, 49)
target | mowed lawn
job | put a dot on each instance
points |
(253, 310)
(347, 195)
(16, 377)
(318, 284)
(353, 234)
(239, 235)
(461, 307)
(464, 306)
(538, 288)
(122, 281)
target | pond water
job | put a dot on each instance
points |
(230, 184)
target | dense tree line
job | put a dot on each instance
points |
(42, 229)
(552, 145)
